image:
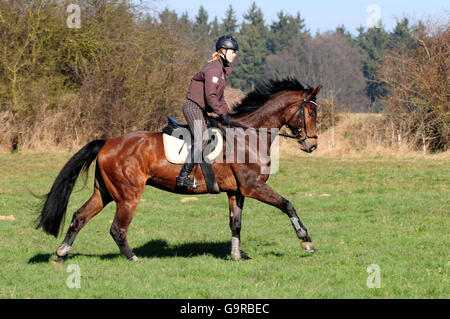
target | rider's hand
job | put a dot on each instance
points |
(226, 119)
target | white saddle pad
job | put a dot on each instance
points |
(177, 150)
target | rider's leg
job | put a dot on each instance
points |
(197, 125)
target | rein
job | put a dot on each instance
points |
(297, 136)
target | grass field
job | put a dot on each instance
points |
(390, 212)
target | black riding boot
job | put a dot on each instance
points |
(183, 179)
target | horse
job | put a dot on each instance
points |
(127, 163)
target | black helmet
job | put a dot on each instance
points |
(227, 42)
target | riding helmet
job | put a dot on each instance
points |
(227, 42)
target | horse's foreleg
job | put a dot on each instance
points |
(236, 203)
(266, 194)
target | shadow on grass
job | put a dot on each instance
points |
(160, 248)
(157, 248)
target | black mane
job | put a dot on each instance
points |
(264, 91)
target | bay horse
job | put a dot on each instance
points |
(126, 164)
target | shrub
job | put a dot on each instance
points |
(418, 105)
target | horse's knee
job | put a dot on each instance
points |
(235, 220)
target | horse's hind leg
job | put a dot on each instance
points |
(119, 227)
(80, 218)
(99, 199)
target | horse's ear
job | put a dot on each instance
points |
(314, 92)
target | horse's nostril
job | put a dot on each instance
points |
(314, 147)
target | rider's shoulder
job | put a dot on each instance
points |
(214, 64)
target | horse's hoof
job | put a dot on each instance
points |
(235, 256)
(245, 256)
(134, 258)
(240, 256)
(308, 246)
(63, 250)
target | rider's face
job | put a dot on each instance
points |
(230, 55)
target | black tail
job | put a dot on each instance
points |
(55, 206)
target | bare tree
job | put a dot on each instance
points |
(418, 105)
(328, 60)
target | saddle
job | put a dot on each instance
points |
(177, 140)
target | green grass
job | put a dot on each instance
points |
(384, 211)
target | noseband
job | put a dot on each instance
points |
(301, 108)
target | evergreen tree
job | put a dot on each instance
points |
(373, 44)
(214, 32)
(284, 31)
(184, 24)
(343, 32)
(168, 17)
(229, 23)
(401, 37)
(184, 19)
(201, 26)
(253, 50)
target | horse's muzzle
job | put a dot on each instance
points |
(308, 148)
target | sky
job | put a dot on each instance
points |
(321, 15)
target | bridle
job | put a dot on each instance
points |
(301, 108)
(298, 135)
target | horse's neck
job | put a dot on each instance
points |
(269, 115)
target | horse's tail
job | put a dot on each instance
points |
(55, 206)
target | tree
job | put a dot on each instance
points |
(419, 99)
(229, 23)
(343, 32)
(373, 44)
(401, 37)
(120, 71)
(168, 17)
(284, 31)
(214, 29)
(328, 60)
(253, 50)
(201, 25)
(184, 20)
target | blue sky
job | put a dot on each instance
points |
(321, 15)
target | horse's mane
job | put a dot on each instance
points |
(266, 90)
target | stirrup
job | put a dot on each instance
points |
(186, 181)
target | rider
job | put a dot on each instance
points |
(206, 93)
